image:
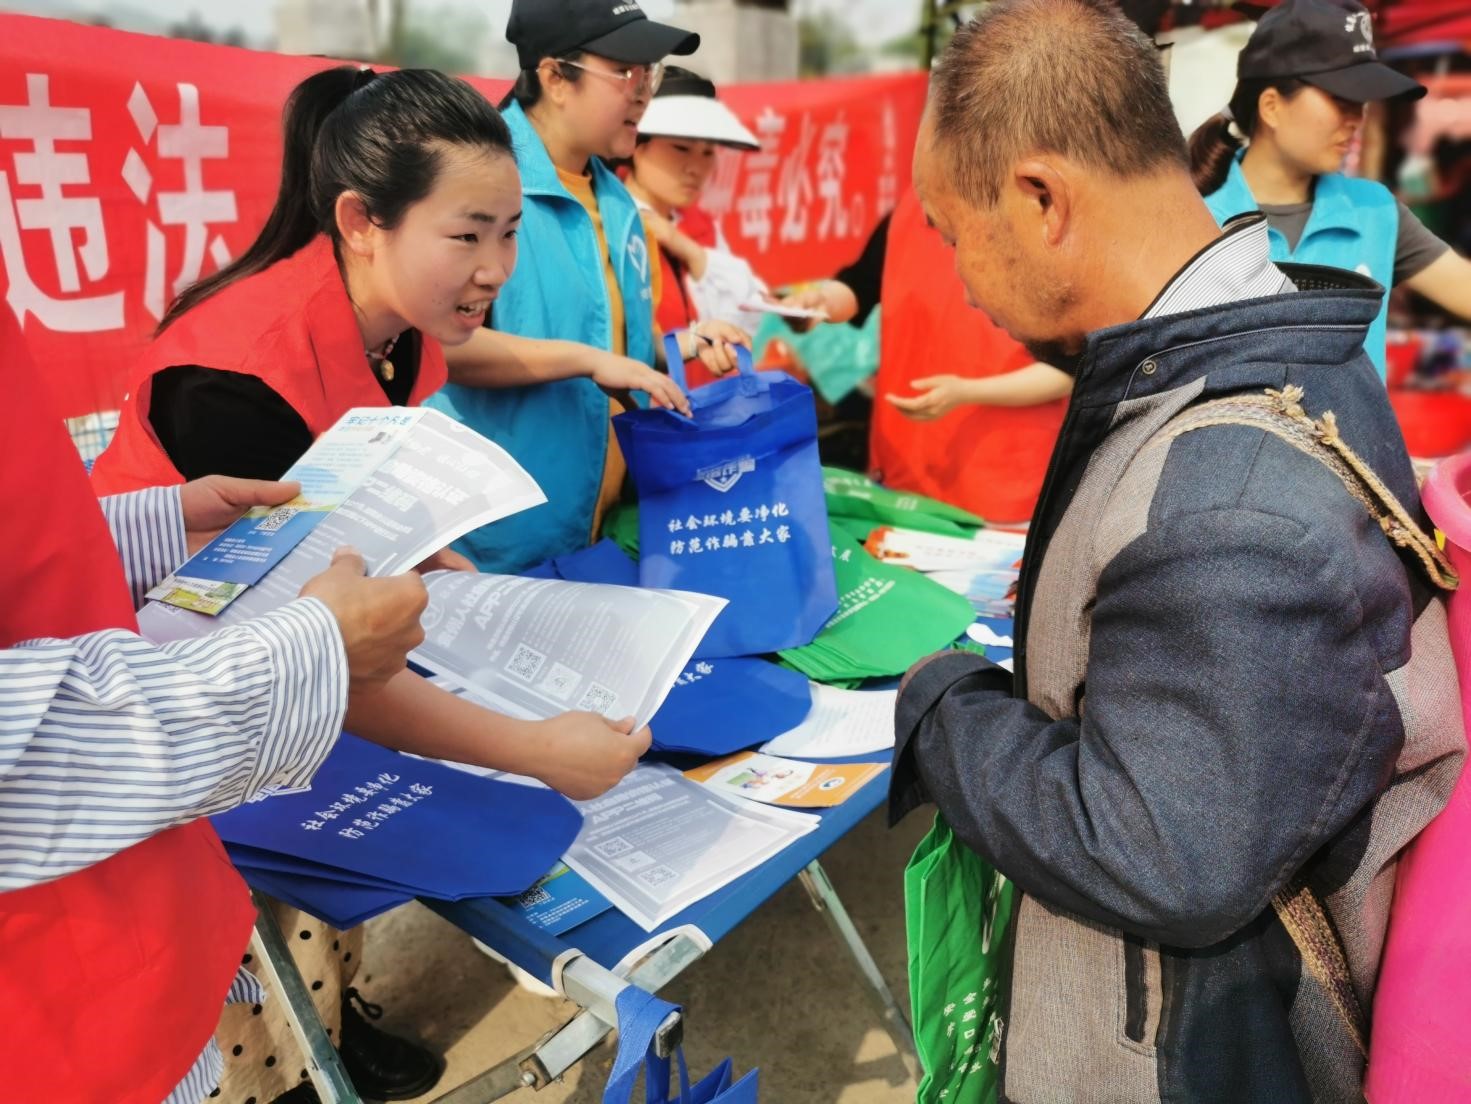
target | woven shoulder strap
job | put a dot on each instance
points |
(1280, 413)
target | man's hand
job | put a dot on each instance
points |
(620, 373)
(584, 755)
(940, 395)
(212, 504)
(378, 618)
(446, 559)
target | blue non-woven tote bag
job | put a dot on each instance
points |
(731, 503)
(639, 1017)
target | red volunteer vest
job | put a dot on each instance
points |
(987, 459)
(112, 978)
(293, 327)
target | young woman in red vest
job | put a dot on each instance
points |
(122, 922)
(392, 234)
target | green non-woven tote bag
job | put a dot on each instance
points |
(957, 910)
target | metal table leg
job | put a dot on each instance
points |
(825, 899)
(281, 975)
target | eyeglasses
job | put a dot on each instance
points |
(637, 80)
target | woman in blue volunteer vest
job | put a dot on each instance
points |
(578, 317)
(1302, 83)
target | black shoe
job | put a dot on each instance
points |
(383, 1066)
(305, 1093)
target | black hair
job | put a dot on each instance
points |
(1214, 144)
(527, 89)
(349, 129)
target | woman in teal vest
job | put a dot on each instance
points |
(577, 319)
(1302, 83)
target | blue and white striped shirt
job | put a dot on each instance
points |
(106, 739)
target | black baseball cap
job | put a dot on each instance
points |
(1328, 44)
(614, 29)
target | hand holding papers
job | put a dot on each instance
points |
(396, 484)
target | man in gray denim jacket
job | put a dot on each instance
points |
(1231, 686)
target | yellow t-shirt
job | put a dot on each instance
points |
(614, 467)
(581, 188)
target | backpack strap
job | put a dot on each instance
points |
(1281, 414)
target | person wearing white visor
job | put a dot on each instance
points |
(679, 135)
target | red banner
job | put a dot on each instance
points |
(131, 165)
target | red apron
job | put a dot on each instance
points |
(987, 459)
(293, 327)
(676, 307)
(112, 978)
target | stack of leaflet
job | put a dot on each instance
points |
(716, 706)
(858, 505)
(985, 566)
(888, 617)
(376, 829)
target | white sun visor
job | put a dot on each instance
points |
(697, 117)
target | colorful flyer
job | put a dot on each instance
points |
(559, 901)
(790, 782)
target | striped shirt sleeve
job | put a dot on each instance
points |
(148, 529)
(107, 739)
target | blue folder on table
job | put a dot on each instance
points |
(395, 824)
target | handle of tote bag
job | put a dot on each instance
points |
(640, 1016)
(751, 382)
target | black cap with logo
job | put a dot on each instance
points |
(1327, 43)
(614, 29)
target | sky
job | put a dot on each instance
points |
(872, 21)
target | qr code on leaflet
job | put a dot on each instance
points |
(598, 699)
(276, 519)
(526, 662)
(656, 875)
(535, 896)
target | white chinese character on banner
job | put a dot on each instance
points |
(757, 199)
(59, 214)
(888, 184)
(794, 192)
(718, 198)
(832, 167)
(195, 208)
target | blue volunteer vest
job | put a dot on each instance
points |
(558, 431)
(1354, 224)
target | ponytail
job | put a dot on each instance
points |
(1217, 141)
(353, 130)
(1213, 147)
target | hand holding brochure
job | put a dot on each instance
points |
(534, 648)
(397, 484)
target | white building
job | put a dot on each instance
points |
(335, 28)
(740, 40)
